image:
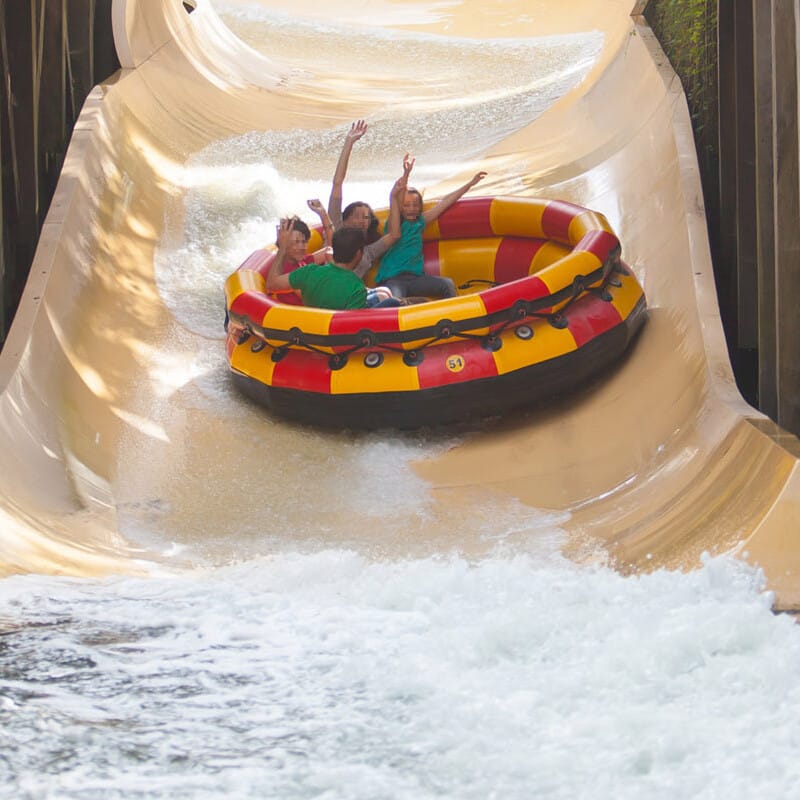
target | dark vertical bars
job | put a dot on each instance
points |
(19, 162)
(52, 52)
(735, 256)
(764, 67)
(787, 211)
(777, 182)
(725, 255)
(4, 240)
(50, 120)
(728, 160)
(746, 271)
(759, 156)
(750, 164)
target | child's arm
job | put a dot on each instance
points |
(396, 200)
(276, 280)
(449, 199)
(323, 254)
(357, 130)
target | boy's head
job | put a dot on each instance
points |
(298, 248)
(347, 242)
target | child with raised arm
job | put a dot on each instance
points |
(335, 284)
(331, 285)
(357, 130)
(297, 254)
(359, 214)
(402, 267)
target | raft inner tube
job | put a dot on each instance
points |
(538, 280)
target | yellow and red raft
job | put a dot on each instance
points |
(545, 303)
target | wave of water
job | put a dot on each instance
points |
(332, 676)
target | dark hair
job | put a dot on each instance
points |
(372, 234)
(346, 244)
(301, 227)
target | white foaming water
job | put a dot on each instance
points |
(331, 676)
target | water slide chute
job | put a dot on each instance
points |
(102, 427)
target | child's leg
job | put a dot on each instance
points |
(399, 284)
(432, 286)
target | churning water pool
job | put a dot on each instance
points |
(325, 675)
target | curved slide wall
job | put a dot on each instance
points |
(659, 461)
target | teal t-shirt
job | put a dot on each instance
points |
(405, 255)
(329, 286)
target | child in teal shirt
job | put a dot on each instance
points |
(402, 268)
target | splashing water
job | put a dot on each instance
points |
(333, 676)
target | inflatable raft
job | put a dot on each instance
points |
(545, 303)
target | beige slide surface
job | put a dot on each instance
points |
(124, 449)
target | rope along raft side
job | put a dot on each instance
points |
(545, 302)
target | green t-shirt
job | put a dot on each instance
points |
(329, 286)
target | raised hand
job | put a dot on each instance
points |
(402, 182)
(285, 230)
(316, 206)
(357, 130)
(408, 165)
(479, 176)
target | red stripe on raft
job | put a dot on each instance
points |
(288, 267)
(557, 217)
(379, 320)
(467, 219)
(514, 257)
(267, 263)
(590, 317)
(430, 257)
(455, 363)
(288, 298)
(500, 297)
(258, 261)
(252, 305)
(303, 370)
(598, 243)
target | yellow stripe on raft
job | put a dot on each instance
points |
(431, 231)
(391, 376)
(548, 254)
(308, 320)
(517, 217)
(626, 296)
(561, 274)
(585, 222)
(424, 315)
(547, 342)
(257, 365)
(468, 259)
(244, 280)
